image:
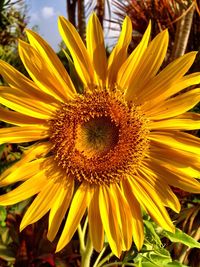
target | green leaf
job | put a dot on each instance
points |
(6, 254)
(181, 237)
(160, 257)
(3, 215)
(175, 264)
(2, 147)
(150, 264)
(19, 207)
(169, 264)
(151, 231)
(5, 238)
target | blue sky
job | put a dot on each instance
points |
(44, 14)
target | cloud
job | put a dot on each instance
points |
(34, 16)
(48, 12)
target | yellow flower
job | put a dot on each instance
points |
(109, 151)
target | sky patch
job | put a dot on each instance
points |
(48, 12)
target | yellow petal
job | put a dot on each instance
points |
(77, 209)
(119, 53)
(177, 140)
(96, 48)
(129, 67)
(185, 167)
(109, 219)
(17, 80)
(158, 87)
(176, 105)
(125, 217)
(152, 203)
(40, 71)
(22, 134)
(175, 177)
(179, 158)
(18, 118)
(148, 65)
(160, 188)
(137, 222)
(96, 233)
(77, 49)
(59, 208)
(21, 102)
(36, 151)
(41, 204)
(54, 65)
(177, 123)
(26, 190)
(23, 172)
(192, 172)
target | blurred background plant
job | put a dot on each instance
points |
(181, 17)
(30, 248)
(13, 21)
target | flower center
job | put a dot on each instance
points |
(99, 138)
(96, 137)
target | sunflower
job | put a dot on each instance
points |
(109, 152)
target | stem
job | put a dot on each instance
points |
(99, 257)
(185, 250)
(81, 19)
(81, 239)
(105, 259)
(182, 33)
(119, 263)
(100, 10)
(85, 226)
(86, 255)
(71, 11)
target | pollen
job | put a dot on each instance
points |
(98, 137)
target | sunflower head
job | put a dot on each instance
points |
(98, 137)
(110, 151)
